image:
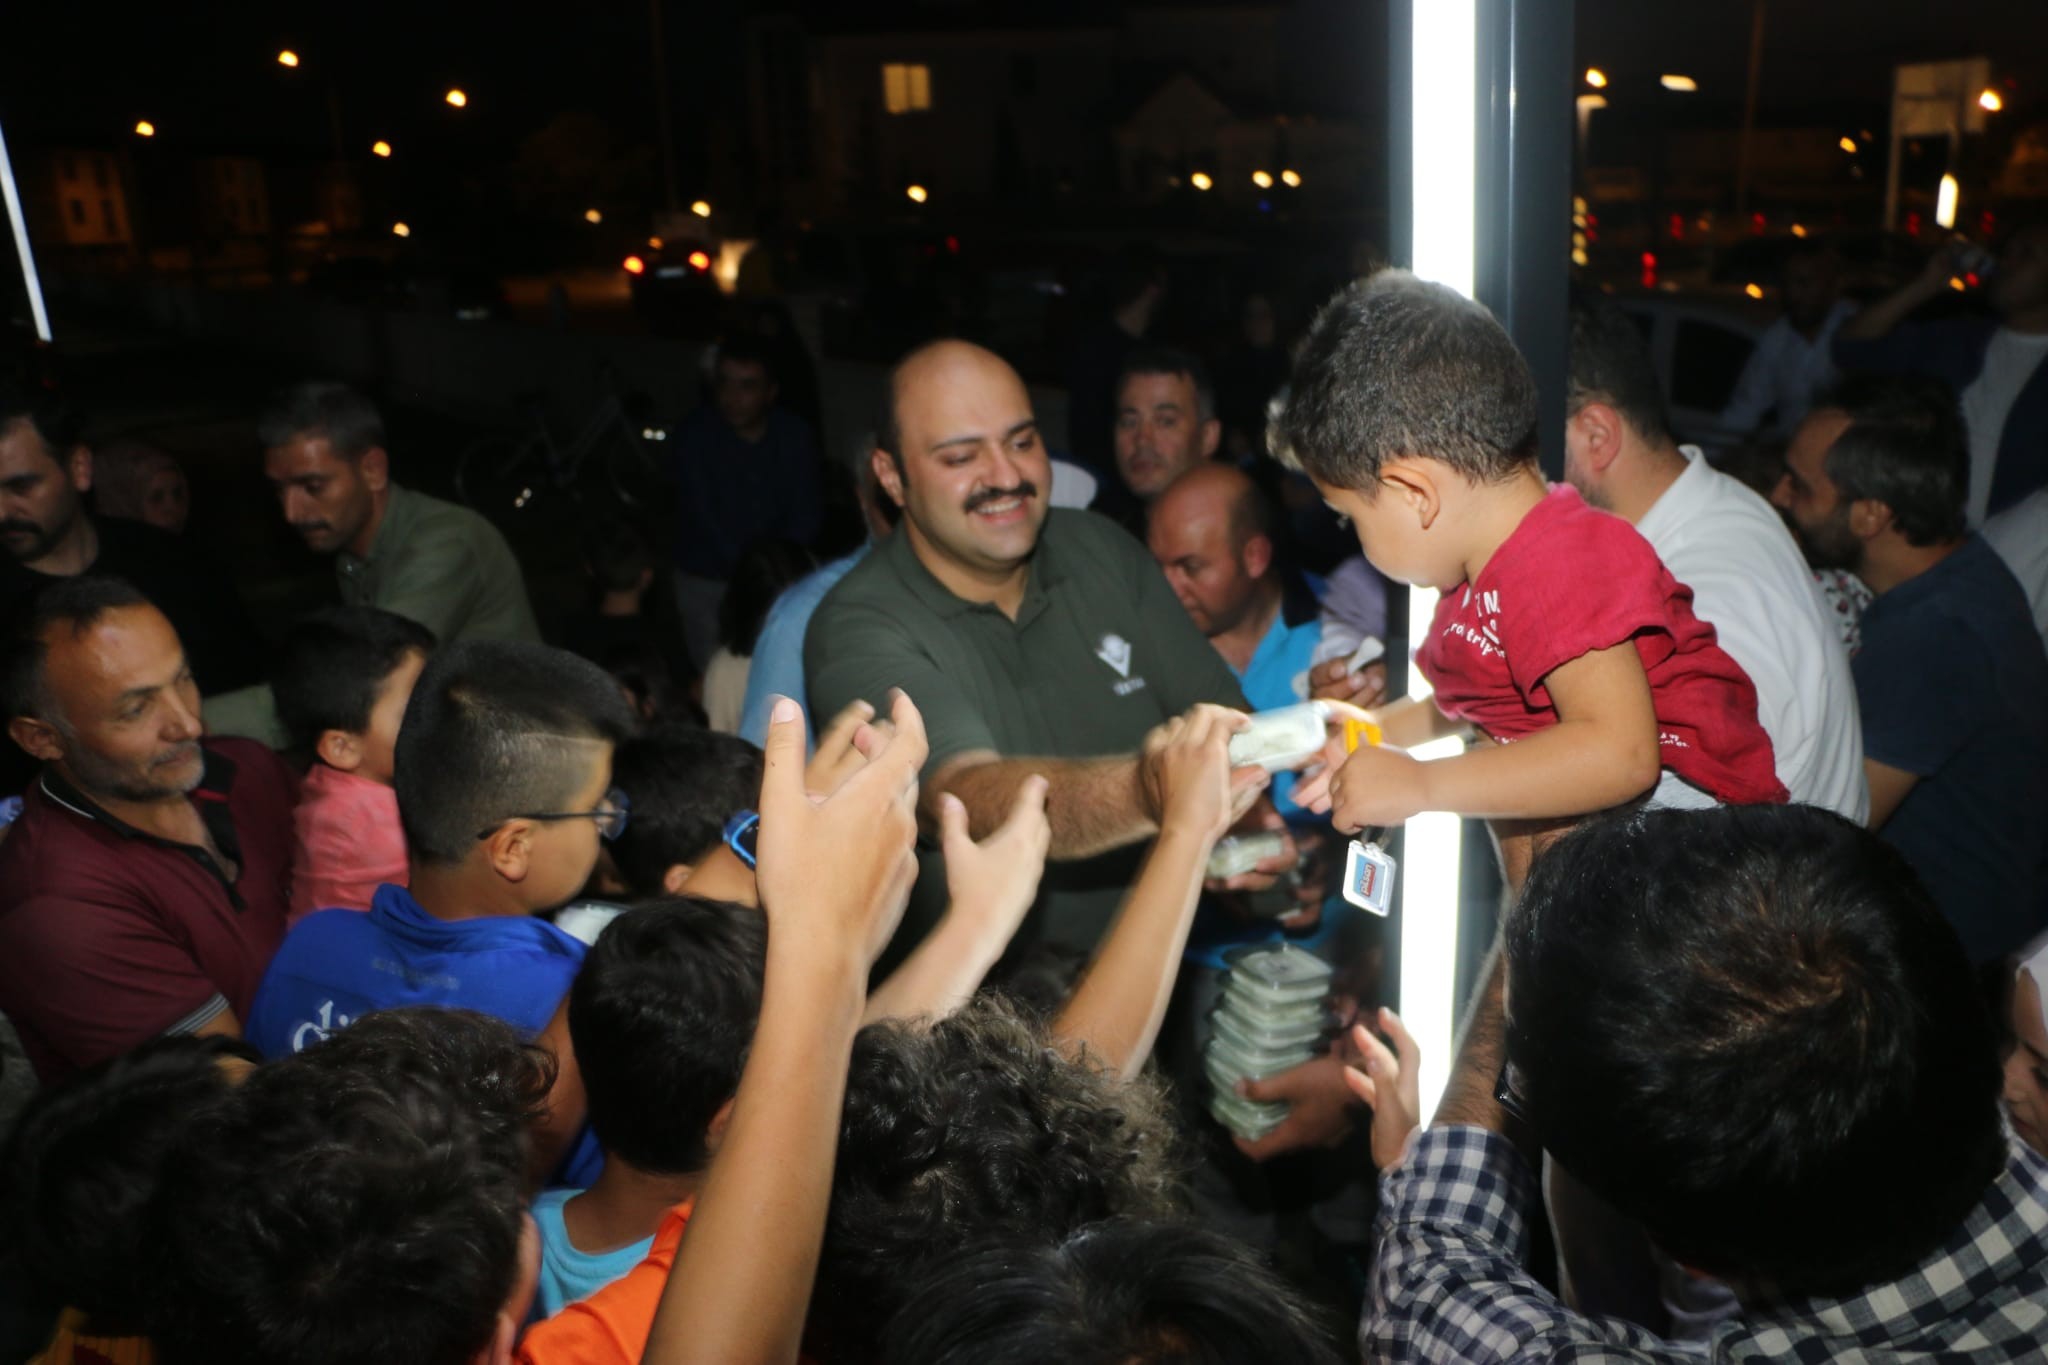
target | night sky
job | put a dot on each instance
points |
(207, 74)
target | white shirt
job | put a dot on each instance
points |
(1751, 584)
(1784, 374)
(2020, 535)
(2009, 362)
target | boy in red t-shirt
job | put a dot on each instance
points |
(1560, 634)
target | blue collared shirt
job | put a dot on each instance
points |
(777, 669)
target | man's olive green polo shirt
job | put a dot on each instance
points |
(1100, 653)
(445, 567)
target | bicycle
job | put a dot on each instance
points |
(508, 477)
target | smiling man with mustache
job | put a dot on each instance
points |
(1034, 640)
(144, 887)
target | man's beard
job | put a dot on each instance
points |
(42, 539)
(1830, 544)
(97, 777)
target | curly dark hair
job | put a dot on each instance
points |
(82, 1164)
(361, 1200)
(977, 1128)
(1126, 1291)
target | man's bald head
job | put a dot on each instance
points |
(1208, 532)
(1215, 491)
(947, 360)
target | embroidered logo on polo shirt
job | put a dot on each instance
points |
(1115, 651)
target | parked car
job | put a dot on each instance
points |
(1698, 344)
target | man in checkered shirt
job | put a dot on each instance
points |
(1749, 1029)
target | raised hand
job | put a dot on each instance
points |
(835, 869)
(995, 881)
(1388, 1084)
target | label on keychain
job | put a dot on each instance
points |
(1368, 877)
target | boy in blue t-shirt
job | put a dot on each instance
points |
(661, 1019)
(503, 774)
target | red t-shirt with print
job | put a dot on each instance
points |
(1571, 580)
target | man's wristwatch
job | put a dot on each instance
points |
(741, 830)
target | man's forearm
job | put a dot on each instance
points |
(1468, 1096)
(1116, 1010)
(1878, 320)
(1094, 804)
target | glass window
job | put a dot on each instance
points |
(1706, 360)
(78, 212)
(906, 87)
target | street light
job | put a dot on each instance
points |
(702, 208)
(145, 129)
(917, 194)
(380, 148)
(400, 230)
(1945, 202)
(1291, 179)
(1262, 180)
(1847, 144)
(1684, 85)
(456, 98)
(1596, 78)
(1990, 101)
(287, 58)
(1200, 180)
(592, 216)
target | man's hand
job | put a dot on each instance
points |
(835, 871)
(1319, 1112)
(995, 881)
(842, 748)
(1331, 681)
(1388, 1084)
(1262, 817)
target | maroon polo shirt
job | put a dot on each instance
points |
(110, 936)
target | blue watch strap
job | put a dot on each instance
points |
(741, 828)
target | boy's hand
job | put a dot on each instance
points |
(1330, 680)
(1389, 1084)
(1187, 762)
(1374, 786)
(996, 880)
(842, 748)
(835, 870)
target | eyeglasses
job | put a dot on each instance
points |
(1507, 1091)
(611, 815)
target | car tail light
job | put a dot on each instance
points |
(635, 266)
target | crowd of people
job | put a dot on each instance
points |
(826, 960)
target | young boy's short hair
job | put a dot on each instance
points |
(685, 782)
(333, 664)
(1395, 366)
(496, 730)
(361, 1200)
(662, 1016)
(82, 1164)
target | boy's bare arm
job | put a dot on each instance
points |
(1602, 751)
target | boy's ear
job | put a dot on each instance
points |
(1416, 485)
(340, 749)
(672, 880)
(509, 849)
(714, 1131)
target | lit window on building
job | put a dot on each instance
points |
(906, 87)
